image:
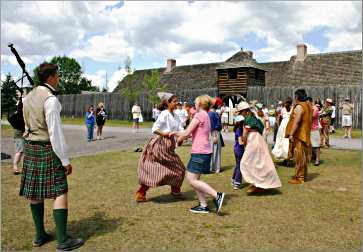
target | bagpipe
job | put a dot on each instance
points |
(16, 120)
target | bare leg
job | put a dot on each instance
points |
(200, 186)
(350, 132)
(61, 202)
(16, 161)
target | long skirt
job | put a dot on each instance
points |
(257, 167)
(281, 148)
(159, 164)
(43, 174)
(215, 164)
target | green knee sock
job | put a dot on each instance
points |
(60, 219)
(38, 218)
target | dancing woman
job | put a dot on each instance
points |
(159, 164)
(257, 167)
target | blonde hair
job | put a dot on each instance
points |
(205, 101)
(100, 104)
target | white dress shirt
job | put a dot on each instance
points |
(167, 122)
(52, 109)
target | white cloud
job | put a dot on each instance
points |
(116, 76)
(98, 79)
(198, 32)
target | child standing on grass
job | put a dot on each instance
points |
(201, 153)
(238, 151)
(90, 123)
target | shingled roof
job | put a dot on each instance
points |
(338, 68)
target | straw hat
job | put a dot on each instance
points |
(242, 105)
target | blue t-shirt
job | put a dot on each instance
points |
(90, 120)
(237, 147)
(215, 121)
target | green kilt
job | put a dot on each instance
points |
(43, 173)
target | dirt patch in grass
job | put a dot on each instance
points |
(310, 217)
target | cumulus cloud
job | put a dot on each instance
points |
(191, 32)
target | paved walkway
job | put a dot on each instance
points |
(118, 138)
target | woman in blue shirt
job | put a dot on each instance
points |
(90, 123)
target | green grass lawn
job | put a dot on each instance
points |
(324, 214)
(111, 122)
(356, 133)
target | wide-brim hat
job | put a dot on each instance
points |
(242, 105)
(329, 100)
(164, 95)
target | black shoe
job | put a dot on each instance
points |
(199, 209)
(43, 240)
(219, 201)
(70, 244)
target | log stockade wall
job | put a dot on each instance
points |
(118, 107)
(269, 95)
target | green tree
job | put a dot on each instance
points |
(152, 84)
(8, 95)
(71, 80)
(86, 85)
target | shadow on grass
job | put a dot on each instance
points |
(267, 192)
(312, 176)
(94, 225)
(168, 198)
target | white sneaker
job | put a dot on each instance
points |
(102, 138)
(98, 138)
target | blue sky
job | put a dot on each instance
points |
(100, 35)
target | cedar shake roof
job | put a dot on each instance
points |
(324, 69)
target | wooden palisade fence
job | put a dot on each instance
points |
(119, 107)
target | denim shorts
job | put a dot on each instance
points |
(199, 163)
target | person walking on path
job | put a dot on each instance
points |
(101, 116)
(46, 161)
(159, 164)
(257, 167)
(298, 131)
(216, 136)
(347, 112)
(281, 148)
(325, 121)
(201, 153)
(315, 132)
(90, 123)
(136, 115)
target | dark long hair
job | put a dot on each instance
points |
(288, 104)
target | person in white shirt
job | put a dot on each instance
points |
(182, 114)
(46, 161)
(136, 115)
(156, 113)
(159, 164)
(225, 117)
(332, 122)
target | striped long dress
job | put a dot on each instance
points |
(159, 164)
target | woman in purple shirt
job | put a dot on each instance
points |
(238, 151)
